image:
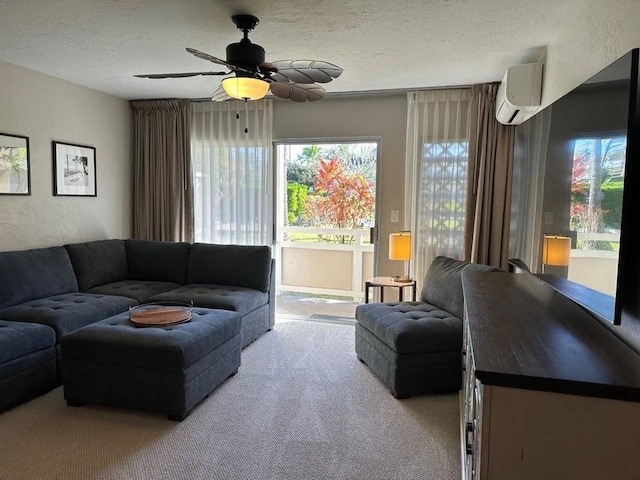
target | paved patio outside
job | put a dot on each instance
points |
(300, 306)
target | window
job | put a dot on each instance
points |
(443, 189)
(596, 191)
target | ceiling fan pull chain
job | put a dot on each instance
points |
(246, 116)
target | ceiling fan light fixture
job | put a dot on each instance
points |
(245, 88)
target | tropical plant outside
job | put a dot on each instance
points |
(596, 188)
(332, 186)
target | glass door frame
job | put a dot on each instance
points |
(279, 182)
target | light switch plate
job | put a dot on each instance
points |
(394, 216)
(548, 218)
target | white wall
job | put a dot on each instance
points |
(380, 116)
(44, 108)
(593, 34)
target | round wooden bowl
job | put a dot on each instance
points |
(159, 316)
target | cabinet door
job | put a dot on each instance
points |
(469, 417)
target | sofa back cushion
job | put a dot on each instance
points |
(157, 261)
(442, 286)
(97, 263)
(38, 273)
(233, 265)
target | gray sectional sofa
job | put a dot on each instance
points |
(47, 293)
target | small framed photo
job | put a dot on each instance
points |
(15, 174)
(74, 170)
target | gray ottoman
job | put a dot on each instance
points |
(168, 369)
(412, 347)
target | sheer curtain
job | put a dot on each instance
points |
(528, 189)
(231, 148)
(436, 174)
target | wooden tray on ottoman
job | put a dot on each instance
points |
(159, 315)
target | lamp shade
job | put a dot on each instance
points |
(245, 88)
(400, 246)
(556, 250)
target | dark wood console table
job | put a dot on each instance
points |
(548, 391)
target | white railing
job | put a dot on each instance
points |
(596, 237)
(603, 237)
(317, 265)
(595, 268)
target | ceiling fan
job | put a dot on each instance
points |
(295, 80)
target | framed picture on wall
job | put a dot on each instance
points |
(74, 170)
(15, 175)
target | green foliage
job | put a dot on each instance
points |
(612, 204)
(301, 174)
(296, 201)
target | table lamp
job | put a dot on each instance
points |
(400, 249)
(556, 250)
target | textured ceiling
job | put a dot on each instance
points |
(380, 44)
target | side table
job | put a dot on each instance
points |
(382, 282)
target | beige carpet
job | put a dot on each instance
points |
(301, 407)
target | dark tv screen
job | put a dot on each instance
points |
(592, 182)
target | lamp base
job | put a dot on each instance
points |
(401, 278)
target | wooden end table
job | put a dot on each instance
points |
(382, 282)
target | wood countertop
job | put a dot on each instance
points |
(525, 334)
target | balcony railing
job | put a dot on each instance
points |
(595, 268)
(325, 261)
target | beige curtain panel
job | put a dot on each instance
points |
(163, 185)
(490, 179)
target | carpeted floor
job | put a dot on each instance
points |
(301, 407)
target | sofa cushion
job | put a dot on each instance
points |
(233, 265)
(68, 312)
(412, 327)
(157, 261)
(19, 339)
(238, 299)
(30, 274)
(140, 290)
(99, 262)
(442, 284)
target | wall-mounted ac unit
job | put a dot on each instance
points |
(519, 93)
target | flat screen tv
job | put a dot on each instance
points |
(589, 142)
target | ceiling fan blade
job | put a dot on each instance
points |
(304, 71)
(211, 58)
(267, 67)
(298, 92)
(220, 95)
(180, 75)
(206, 56)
